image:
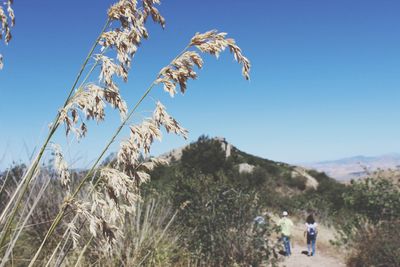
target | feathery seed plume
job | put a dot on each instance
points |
(179, 71)
(91, 101)
(117, 189)
(214, 43)
(122, 185)
(149, 9)
(170, 124)
(7, 21)
(124, 40)
(141, 138)
(61, 166)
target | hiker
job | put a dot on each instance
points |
(286, 225)
(260, 225)
(311, 232)
(259, 231)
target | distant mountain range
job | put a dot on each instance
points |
(356, 167)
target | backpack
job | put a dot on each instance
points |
(311, 231)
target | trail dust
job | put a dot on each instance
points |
(299, 258)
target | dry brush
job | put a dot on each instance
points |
(106, 194)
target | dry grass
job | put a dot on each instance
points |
(7, 20)
(111, 192)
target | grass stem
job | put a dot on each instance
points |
(93, 168)
(32, 170)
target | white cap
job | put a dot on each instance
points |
(285, 213)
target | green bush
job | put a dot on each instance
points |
(371, 229)
(218, 222)
(205, 155)
(375, 199)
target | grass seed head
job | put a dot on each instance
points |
(179, 71)
(61, 166)
(213, 43)
(7, 21)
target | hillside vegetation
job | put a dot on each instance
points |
(277, 185)
(200, 210)
(223, 198)
(221, 195)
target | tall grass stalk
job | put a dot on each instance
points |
(121, 180)
(4, 183)
(29, 174)
(157, 241)
(66, 234)
(147, 236)
(78, 261)
(163, 77)
(91, 172)
(15, 206)
(22, 225)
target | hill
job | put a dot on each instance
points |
(278, 185)
(294, 177)
(223, 189)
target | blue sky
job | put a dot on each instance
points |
(324, 80)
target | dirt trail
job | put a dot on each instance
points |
(298, 259)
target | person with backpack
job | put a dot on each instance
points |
(311, 232)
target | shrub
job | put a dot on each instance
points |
(371, 228)
(205, 155)
(377, 246)
(376, 199)
(218, 222)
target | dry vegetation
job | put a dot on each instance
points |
(7, 19)
(51, 215)
(87, 213)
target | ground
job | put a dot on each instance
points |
(327, 255)
(300, 259)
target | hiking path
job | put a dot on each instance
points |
(299, 258)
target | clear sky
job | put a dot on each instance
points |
(324, 81)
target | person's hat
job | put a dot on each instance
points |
(285, 213)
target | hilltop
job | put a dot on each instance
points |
(294, 177)
(278, 185)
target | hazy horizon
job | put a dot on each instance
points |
(73, 159)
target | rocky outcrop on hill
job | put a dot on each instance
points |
(246, 163)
